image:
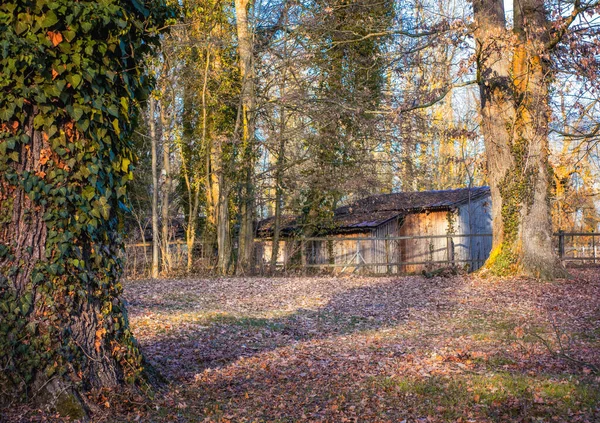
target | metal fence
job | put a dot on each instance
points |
(137, 259)
(578, 248)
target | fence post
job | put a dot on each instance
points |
(450, 250)
(303, 255)
(387, 254)
(561, 244)
(357, 256)
(594, 246)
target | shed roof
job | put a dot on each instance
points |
(370, 212)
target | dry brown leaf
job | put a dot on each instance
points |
(55, 37)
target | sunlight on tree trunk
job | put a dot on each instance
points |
(246, 235)
(514, 108)
(155, 228)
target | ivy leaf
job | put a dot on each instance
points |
(103, 207)
(74, 80)
(86, 26)
(69, 35)
(49, 20)
(21, 27)
(7, 112)
(125, 104)
(140, 8)
(113, 110)
(55, 37)
(77, 113)
(88, 192)
(115, 124)
(125, 164)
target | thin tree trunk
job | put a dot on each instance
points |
(166, 256)
(223, 235)
(279, 178)
(155, 234)
(246, 235)
(210, 178)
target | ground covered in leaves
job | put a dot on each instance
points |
(361, 349)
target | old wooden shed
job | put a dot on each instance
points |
(402, 232)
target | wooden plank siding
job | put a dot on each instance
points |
(474, 217)
(423, 250)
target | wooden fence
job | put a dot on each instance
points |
(137, 259)
(369, 255)
(372, 255)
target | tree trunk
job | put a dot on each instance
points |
(223, 235)
(64, 327)
(65, 162)
(166, 256)
(155, 236)
(279, 181)
(211, 183)
(246, 235)
(514, 112)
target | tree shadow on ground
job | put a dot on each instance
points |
(217, 339)
(397, 349)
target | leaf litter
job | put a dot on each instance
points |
(366, 349)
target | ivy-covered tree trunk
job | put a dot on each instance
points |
(513, 81)
(68, 103)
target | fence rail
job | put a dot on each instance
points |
(388, 255)
(578, 247)
(378, 255)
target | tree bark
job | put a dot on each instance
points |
(246, 235)
(60, 333)
(515, 117)
(165, 224)
(155, 228)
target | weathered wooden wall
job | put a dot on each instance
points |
(423, 250)
(474, 217)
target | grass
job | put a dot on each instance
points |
(495, 394)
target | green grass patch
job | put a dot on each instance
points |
(496, 395)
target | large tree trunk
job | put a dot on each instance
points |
(65, 161)
(60, 332)
(513, 83)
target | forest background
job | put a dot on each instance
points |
(272, 108)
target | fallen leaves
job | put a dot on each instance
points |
(364, 349)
